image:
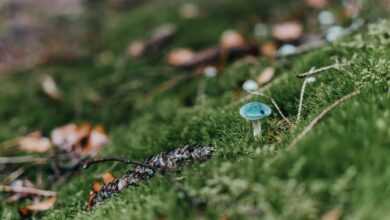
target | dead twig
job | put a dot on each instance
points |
(307, 80)
(315, 121)
(28, 190)
(313, 71)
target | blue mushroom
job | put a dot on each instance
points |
(255, 112)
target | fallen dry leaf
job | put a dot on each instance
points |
(69, 136)
(317, 3)
(49, 86)
(34, 142)
(180, 56)
(96, 186)
(232, 39)
(287, 31)
(334, 214)
(266, 76)
(108, 178)
(37, 207)
(96, 140)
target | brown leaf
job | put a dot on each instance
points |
(96, 186)
(69, 136)
(334, 214)
(91, 198)
(49, 86)
(96, 140)
(34, 142)
(317, 3)
(232, 39)
(266, 76)
(179, 57)
(287, 31)
(37, 207)
(108, 178)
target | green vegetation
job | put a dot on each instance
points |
(342, 163)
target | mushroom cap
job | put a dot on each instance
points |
(255, 111)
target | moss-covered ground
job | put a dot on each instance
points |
(342, 164)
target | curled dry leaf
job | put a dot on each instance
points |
(287, 31)
(96, 140)
(81, 140)
(49, 86)
(108, 178)
(179, 57)
(34, 142)
(317, 3)
(69, 136)
(96, 186)
(39, 206)
(266, 76)
(232, 39)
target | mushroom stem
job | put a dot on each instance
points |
(256, 124)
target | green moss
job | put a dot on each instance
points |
(342, 163)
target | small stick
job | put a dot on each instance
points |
(320, 116)
(116, 159)
(313, 71)
(28, 190)
(22, 159)
(307, 80)
(276, 106)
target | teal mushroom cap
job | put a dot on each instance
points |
(255, 111)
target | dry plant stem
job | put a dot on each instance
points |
(113, 159)
(275, 105)
(23, 159)
(315, 121)
(28, 190)
(314, 71)
(301, 98)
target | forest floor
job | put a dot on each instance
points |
(336, 169)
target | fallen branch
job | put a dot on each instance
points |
(315, 121)
(162, 162)
(27, 190)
